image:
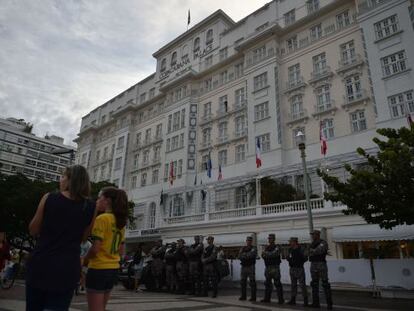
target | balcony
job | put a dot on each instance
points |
(205, 145)
(240, 134)
(324, 108)
(222, 140)
(206, 118)
(297, 117)
(349, 63)
(355, 99)
(367, 5)
(320, 74)
(156, 161)
(221, 113)
(241, 104)
(295, 84)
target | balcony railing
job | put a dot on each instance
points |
(320, 74)
(240, 104)
(298, 116)
(221, 112)
(222, 139)
(367, 5)
(349, 62)
(325, 107)
(232, 213)
(355, 98)
(295, 84)
(289, 207)
(240, 133)
(184, 219)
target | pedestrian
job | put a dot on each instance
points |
(181, 266)
(62, 220)
(137, 262)
(103, 258)
(195, 251)
(319, 269)
(208, 260)
(296, 259)
(157, 266)
(170, 272)
(247, 257)
(272, 259)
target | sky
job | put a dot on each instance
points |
(61, 59)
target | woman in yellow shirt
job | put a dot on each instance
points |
(103, 257)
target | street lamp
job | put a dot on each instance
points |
(300, 139)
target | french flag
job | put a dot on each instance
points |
(322, 138)
(258, 149)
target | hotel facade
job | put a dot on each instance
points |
(336, 66)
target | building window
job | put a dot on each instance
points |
(241, 197)
(196, 44)
(240, 125)
(177, 207)
(166, 171)
(207, 110)
(343, 20)
(223, 77)
(223, 53)
(223, 106)
(181, 140)
(142, 97)
(292, 43)
(168, 145)
(223, 130)
(174, 143)
(353, 88)
(145, 157)
(206, 136)
(259, 53)
(261, 111)
(222, 157)
(169, 123)
(180, 168)
(155, 176)
(157, 153)
(152, 215)
(323, 98)
(386, 27)
(240, 153)
(295, 134)
(319, 64)
(135, 161)
(121, 141)
(358, 121)
(296, 107)
(208, 61)
(239, 96)
(163, 64)
(143, 179)
(294, 74)
(176, 121)
(134, 182)
(289, 17)
(173, 59)
(209, 36)
(327, 127)
(264, 142)
(316, 32)
(393, 63)
(347, 53)
(152, 93)
(312, 6)
(158, 131)
(148, 136)
(238, 70)
(118, 163)
(401, 104)
(260, 81)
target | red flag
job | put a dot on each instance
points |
(258, 149)
(171, 173)
(322, 138)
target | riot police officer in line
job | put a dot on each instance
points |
(319, 269)
(272, 259)
(157, 267)
(247, 256)
(208, 260)
(170, 262)
(195, 251)
(296, 259)
(181, 266)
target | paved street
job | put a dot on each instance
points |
(227, 301)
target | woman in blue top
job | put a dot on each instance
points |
(62, 220)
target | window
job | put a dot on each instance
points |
(327, 127)
(121, 141)
(177, 206)
(323, 98)
(207, 110)
(176, 121)
(152, 93)
(358, 121)
(174, 143)
(222, 157)
(353, 88)
(169, 123)
(223, 53)
(166, 171)
(238, 70)
(240, 153)
(239, 96)
(196, 44)
(208, 61)
(135, 161)
(178, 94)
(386, 27)
(182, 118)
(181, 140)
(208, 84)
(295, 134)
(105, 153)
(294, 74)
(143, 179)
(401, 104)
(223, 107)
(180, 168)
(223, 77)
(103, 119)
(173, 59)
(289, 17)
(142, 97)
(260, 81)
(163, 64)
(98, 155)
(343, 20)
(209, 36)
(118, 163)
(158, 132)
(241, 197)
(206, 136)
(259, 53)
(292, 43)
(296, 107)
(261, 111)
(316, 32)
(393, 63)
(312, 6)
(240, 124)
(155, 176)
(145, 157)
(264, 142)
(134, 182)
(168, 145)
(348, 53)
(223, 130)
(138, 139)
(157, 153)
(319, 63)
(151, 215)
(148, 136)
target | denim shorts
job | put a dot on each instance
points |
(100, 280)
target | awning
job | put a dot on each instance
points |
(358, 233)
(283, 236)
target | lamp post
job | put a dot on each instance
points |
(300, 138)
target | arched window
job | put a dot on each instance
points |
(151, 215)
(163, 64)
(209, 36)
(173, 58)
(196, 44)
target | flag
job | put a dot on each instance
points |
(189, 18)
(171, 173)
(258, 149)
(209, 166)
(322, 138)
(220, 175)
(195, 180)
(203, 192)
(409, 119)
(162, 197)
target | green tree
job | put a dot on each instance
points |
(382, 192)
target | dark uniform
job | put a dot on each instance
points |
(296, 259)
(272, 259)
(195, 251)
(247, 257)
(157, 266)
(169, 259)
(319, 269)
(208, 260)
(181, 266)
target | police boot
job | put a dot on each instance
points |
(253, 292)
(243, 292)
(315, 298)
(268, 294)
(214, 291)
(280, 295)
(328, 295)
(292, 301)
(305, 301)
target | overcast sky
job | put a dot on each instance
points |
(61, 59)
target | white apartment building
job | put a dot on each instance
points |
(222, 85)
(23, 152)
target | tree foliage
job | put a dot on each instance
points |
(383, 191)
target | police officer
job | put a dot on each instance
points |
(296, 259)
(195, 251)
(247, 257)
(181, 266)
(272, 259)
(319, 269)
(169, 258)
(209, 267)
(157, 267)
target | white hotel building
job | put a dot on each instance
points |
(287, 67)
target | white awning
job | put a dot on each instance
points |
(371, 233)
(283, 236)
